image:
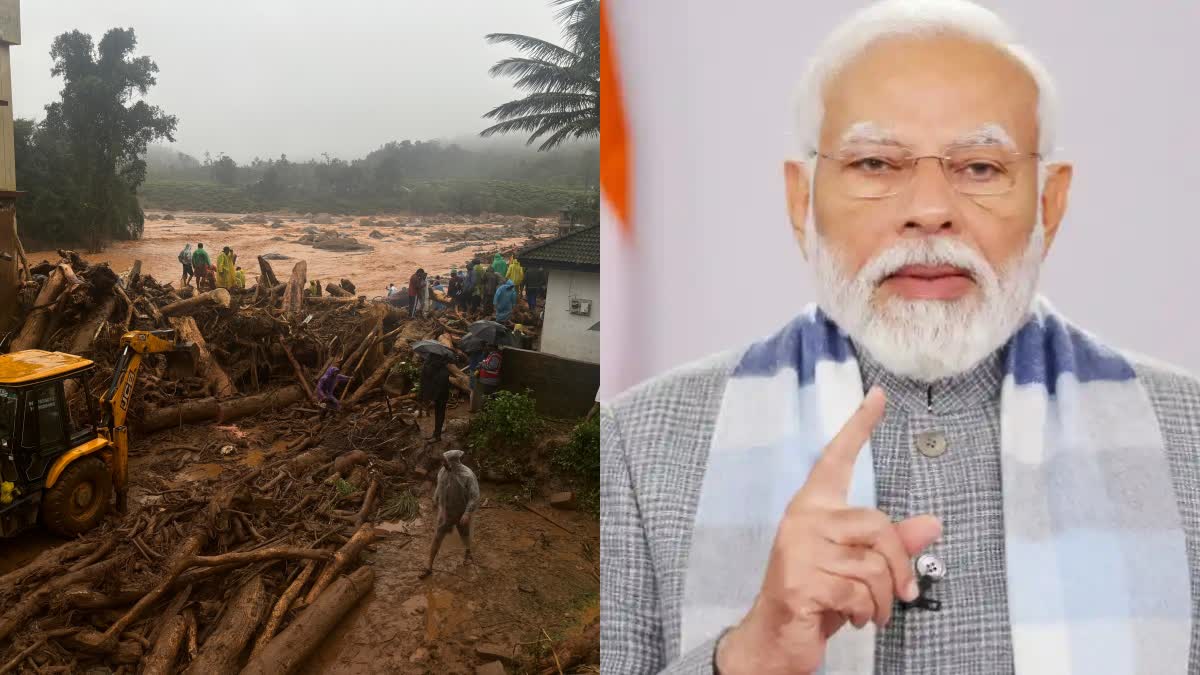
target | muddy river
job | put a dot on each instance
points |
(393, 259)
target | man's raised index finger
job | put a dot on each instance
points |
(831, 475)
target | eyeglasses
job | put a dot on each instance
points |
(875, 172)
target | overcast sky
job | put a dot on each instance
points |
(302, 77)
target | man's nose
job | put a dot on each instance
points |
(930, 203)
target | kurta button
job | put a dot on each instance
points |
(929, 565)
(931, 443)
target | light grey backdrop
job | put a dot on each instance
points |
(708, 88)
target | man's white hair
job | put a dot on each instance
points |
(919, 18)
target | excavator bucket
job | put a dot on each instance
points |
(181, 361)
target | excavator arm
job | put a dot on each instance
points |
(114, 403)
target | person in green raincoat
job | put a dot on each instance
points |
(226, 277)
(499, 265)
(201, 266)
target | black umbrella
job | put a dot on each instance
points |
(471, 343)
(432, 348)
(491, 332)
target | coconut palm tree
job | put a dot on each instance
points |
(563, 83)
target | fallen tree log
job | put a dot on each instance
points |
(300, 377)
(291, 648)
(261, 555)
(376, 378)
(237, 408)
(227, 410)
(162, 656)
(345, 555)
(330, 301)
(293, 294)
(45, 563)
(337, 291)
(85, 335)
(459, 379)
(219, 653)
(215, 298)
(281, 607)
(33, 602)
(33, 331)
(218, 380)
(368, 504)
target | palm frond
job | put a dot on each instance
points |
(544, 102)
(536, 48)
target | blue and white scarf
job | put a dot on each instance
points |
(1097, 569)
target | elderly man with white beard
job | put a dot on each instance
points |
(930, 470)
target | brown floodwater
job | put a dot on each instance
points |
(393, 259)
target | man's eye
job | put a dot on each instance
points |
(872, 165)
(980, 170)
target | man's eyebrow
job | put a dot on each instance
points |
(868, 132)
(988, 134)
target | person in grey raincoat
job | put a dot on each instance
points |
(456, 498)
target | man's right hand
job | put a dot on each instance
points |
(830, 564)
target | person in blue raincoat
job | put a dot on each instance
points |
(505, 300)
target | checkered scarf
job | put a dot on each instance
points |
(1098, 577)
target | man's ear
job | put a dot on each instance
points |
(1054, 198)
(795, 175)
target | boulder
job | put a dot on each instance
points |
(563, 500)
(375, 234)
(322, 219)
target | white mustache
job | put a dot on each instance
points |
(931, 251)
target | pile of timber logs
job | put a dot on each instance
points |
(249, 573)
(254, 350)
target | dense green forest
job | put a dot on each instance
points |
(419, 177)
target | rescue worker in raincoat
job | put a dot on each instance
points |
(201, 265)
(499, 265)
(225, 269)
(456, 498)
(516, 273)
(239, 279)
(505, 300)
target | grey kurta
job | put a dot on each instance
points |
(655, 442)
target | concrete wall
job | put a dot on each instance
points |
(563, 388)
(565, 334)
(10, 22)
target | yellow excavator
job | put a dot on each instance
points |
(61, 457)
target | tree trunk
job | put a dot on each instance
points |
(293, 295)
(134, 273)
(285, 602)
(31, 602)
(329, 301)
(376, 378)
(34, 328)
(337, 291)
(459, 379)
(291, 648)
(46, 562)
(312, 397)
(188, 412)
(267, 279)
(227, 410)
(345, 556)
(85, 335)
(219, 383)
(220, 652)
(161, 659)
(215, 298)
(237, 408)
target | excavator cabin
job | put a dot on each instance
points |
(43, 431)
(63, 453)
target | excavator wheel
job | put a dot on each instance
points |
(79, 500)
